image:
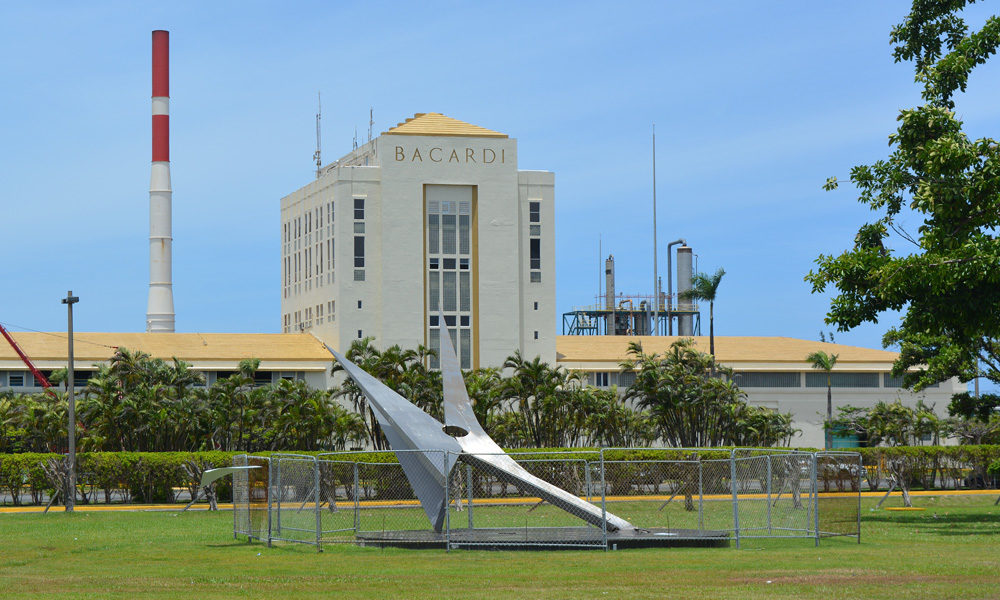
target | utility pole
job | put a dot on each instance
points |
(69, 301)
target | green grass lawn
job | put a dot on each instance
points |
(951, 550)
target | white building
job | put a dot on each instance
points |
(432, 215)
(773, 372)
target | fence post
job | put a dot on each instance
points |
(736, 497)
(468, 491)
(270, 493)
(278, 490)
(815, 486)
(604, 507)
(701, 496)
(235, 510)
(319, 518)
(447, 502)
(357, 503)
(861, 469)
(769, 528)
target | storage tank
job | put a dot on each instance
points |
(685, 323)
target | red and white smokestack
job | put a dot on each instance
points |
(160, 310)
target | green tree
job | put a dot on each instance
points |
(946, 280)
(967, 406)
(825, 362)
(533, 393)
(705, 287)
(691, 408)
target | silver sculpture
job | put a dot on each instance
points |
(423, 441)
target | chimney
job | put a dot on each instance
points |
(160, 309)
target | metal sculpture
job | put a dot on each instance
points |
(408, 428)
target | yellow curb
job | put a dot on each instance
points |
(477, 502)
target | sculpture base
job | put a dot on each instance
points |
(546, 538)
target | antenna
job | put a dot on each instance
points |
(656, 275)
(355, 147)
(371, 121)
(316, 155)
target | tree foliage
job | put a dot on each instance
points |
(691, 407)
(706, 287)
(136, 403)
(946, 277)
(892, 424)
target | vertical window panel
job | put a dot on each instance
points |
(434, 285)
(435, 343)
(466, 348)
(433, 233)
(463, 234)
(448, 291)
(465, 291)
(447, 234)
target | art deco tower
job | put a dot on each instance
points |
(160, 309)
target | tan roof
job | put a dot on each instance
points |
(438, 124)
(728, 349)
(187, 346)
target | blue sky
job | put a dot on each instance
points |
(755, 105)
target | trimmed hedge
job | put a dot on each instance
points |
(146, 477)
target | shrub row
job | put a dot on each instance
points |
(146, 477)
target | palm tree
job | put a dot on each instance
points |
(825, 362)
(704, 287)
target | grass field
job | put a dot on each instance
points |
(951, 550)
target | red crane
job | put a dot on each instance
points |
(27, 361)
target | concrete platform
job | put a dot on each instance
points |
(546, 538)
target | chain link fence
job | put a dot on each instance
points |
(251, 492)
(691, 496)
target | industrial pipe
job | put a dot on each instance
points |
(670, 284)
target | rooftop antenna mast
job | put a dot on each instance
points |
(316, 155)
(656, 275)
(355, 146)
(371, 121)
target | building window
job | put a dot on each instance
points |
(842, 380)
(535, 230)
(359, 227)
(534, 212)
(359, 334)
(262, 378)
(536, 277)
(359, 251)
(536, 335)
(536, 306)
(536, 253)
(897, 382)
(359, 209)
(601, 379)
(788, 379)
(448, 235)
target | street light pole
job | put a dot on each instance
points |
(69, 301)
